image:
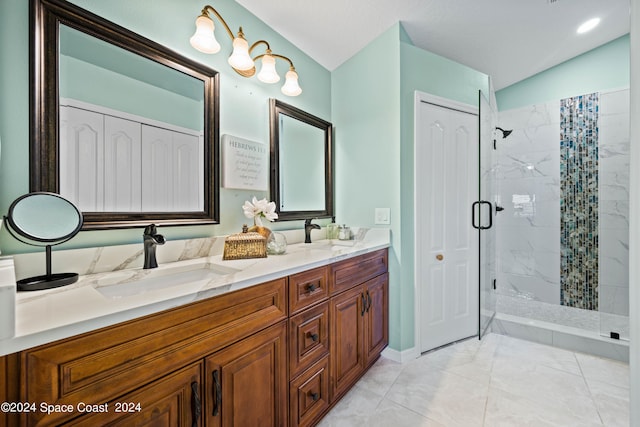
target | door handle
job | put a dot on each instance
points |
(439, 257)
(490, 214)
(479, 204)
(217, 391)
(196, 404)
(473, 215)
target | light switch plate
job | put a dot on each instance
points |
(383, 216)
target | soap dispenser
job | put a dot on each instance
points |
(332, 229)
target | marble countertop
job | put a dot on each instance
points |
(91, 303)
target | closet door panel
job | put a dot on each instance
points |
(186, 180)
(122, 167)
(157, 169)
(82, 158)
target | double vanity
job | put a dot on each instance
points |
(199, 341)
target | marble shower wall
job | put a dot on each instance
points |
(528, 181)
(528, 230)
(614, 203)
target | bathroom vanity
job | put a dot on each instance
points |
(278, 344)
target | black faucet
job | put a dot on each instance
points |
(151, 239)
(307, 229)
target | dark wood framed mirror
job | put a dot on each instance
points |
(122, 126)
(301, 163)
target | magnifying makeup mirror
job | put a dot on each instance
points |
(44, 219)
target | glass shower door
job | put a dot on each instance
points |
(485, 211)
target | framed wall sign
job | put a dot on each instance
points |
(245, 164)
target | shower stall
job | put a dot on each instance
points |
(554, 261)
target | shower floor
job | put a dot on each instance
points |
(560, 326)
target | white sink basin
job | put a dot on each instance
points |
(328, 244)
(135, 282)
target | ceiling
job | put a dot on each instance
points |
(507, 39)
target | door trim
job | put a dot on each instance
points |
(423, 97)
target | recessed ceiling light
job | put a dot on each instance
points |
(589, 25)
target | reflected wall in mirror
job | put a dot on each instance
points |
(301, 163)
(123, 127)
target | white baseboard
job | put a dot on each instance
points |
(400, 356)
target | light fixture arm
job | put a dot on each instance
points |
(269, 52)
(210, 9)
(275, 55)
(253, 46)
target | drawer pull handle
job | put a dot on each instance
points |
(217, 393)
(197, 404)
(314, 396)
(314, 337)
(312, 287)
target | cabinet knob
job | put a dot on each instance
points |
(311, 287)
(314, 396)
(439, 257)
(314, 337)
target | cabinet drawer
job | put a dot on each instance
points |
(308, 288)
(309, 394)
(99, 365)
(308, 338)
(175, 400)
(354, 271)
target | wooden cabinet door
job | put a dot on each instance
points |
(246, 383)
(175, 400)
(376, 317)
(347, 346)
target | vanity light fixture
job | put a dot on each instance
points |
(240, 60)
(588, 25)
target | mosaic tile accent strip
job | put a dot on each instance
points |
(579, 201)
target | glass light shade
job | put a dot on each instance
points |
(240, 59)
(291, 87)
(203, 39)
(268, 73)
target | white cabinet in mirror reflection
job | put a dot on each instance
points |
(124, 163)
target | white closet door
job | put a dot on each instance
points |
(82, 158)
(186, 172)
(447, 246)
(123, 172)
(157, 169)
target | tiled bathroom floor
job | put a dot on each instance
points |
(499, 381)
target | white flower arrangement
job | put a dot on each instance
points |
(258, 209)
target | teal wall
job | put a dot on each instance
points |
(605, 67)
(372, 113)
(244, 107)
(365, 99)
(86, 82)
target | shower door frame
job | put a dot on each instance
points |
(487, 238)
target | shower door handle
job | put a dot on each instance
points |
(479, 205)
